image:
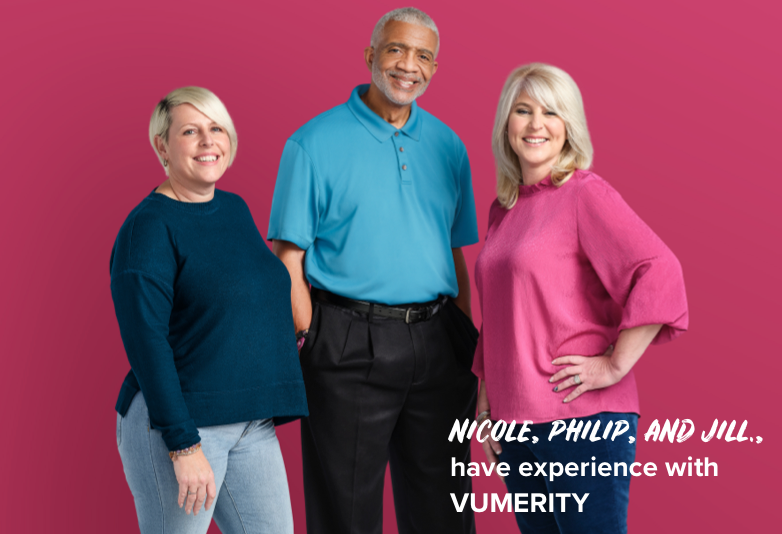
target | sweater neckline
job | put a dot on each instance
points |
(200, 208)
(545, 183)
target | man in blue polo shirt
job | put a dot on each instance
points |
(372, 205)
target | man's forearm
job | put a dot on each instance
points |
(463, 280)
(293, 259)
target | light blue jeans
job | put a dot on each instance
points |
(252, 488)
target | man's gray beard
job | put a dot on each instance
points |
(382, 83)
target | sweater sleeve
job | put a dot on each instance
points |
(142, 287)
(637, 269)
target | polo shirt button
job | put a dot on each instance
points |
(401, 149)
(404, 167)
(396, 134)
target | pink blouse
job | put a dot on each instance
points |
(562, 272)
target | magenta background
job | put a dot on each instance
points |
(683, 105)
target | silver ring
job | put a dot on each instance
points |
(576, 379)
(192, 493)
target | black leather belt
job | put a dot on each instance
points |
(409, 313)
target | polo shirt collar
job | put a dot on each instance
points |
(375, 124)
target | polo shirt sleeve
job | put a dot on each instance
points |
(637, 269)
(294, 214)
(142, 288)
(465, 225)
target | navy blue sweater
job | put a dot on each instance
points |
(204, 311)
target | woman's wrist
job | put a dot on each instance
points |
(187, 451)
(622, 362)
(630, 346)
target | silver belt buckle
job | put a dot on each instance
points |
(407, 316)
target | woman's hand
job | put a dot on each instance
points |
(196, 481)
(596, 372)
(491, 448)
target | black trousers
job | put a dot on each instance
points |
(385, 391)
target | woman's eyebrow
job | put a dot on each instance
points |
(194, 125)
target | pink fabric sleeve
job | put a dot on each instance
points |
(477, 362)
(638, 270)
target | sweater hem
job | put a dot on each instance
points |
(284, 400)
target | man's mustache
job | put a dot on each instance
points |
(404, 76)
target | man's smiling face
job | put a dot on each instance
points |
(403, 63)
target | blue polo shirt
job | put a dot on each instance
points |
(377, 209)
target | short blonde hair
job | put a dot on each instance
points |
(554, 89)
(204, 101)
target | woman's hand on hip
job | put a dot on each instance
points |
(196, 482)
(598, 372)
(586, 373)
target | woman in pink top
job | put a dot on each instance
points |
(573, 287)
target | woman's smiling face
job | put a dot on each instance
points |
(535, 133)
(198, 149)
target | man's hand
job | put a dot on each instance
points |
(293, 258)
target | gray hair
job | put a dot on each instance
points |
(409, 15)
(204, 101)
(554, 89)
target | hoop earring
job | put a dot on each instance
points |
(165, 163)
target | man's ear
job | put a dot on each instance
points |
(369, 56)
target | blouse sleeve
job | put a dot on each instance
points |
(637, 269)
(142, 288)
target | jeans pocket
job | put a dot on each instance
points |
(119, 430)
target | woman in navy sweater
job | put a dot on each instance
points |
(203, 307)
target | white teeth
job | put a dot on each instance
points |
(207, 158)
(535, 141)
